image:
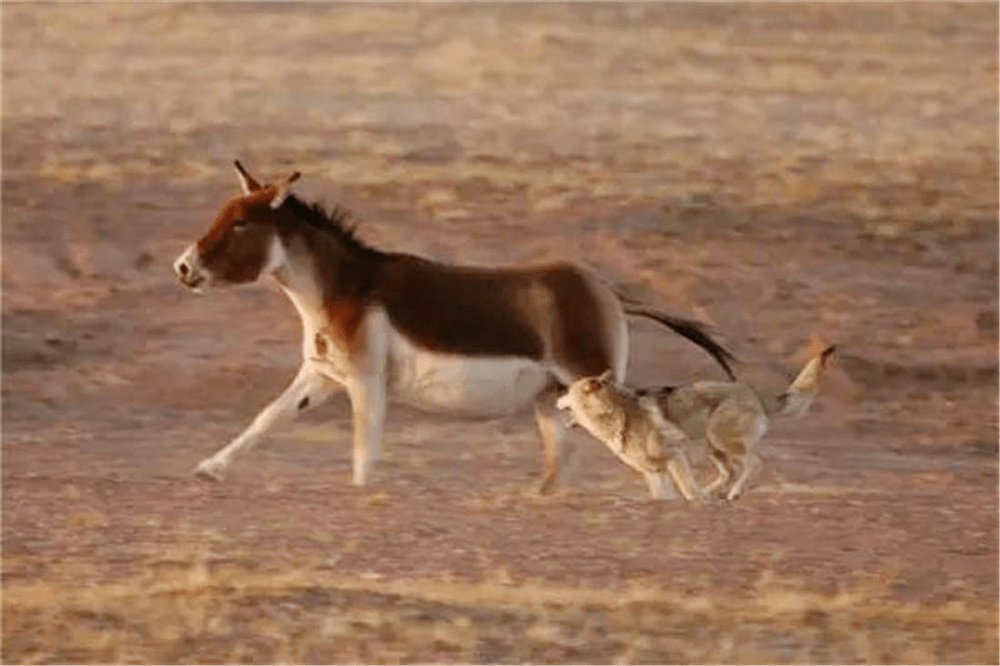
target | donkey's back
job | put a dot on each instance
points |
(560, 315)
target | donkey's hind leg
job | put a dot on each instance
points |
(308, 389)
(555, 449)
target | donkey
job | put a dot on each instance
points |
(481, 342)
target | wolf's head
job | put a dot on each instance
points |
(589, 396)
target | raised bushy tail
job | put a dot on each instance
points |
(796, 400)
(695, 331)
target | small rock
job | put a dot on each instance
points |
(700, 199)
(986, 321)
(143, 260)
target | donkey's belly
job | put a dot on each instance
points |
(472, 386)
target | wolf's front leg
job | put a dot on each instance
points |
(308, 389)
(679, 470)
(660, 487)
(751, 465)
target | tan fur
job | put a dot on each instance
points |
(730, 418)
(634, 430)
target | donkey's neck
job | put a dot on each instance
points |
(297, 279)
(318, 271)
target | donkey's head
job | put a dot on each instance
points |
(242, 244)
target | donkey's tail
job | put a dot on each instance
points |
(695, 331)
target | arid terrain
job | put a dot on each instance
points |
(786, 173)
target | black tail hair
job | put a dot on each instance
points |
(826, 352)
(695, 331)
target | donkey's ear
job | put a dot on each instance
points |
(247, 181)
(284, 190)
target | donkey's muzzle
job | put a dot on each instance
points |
(191, 283)
(188, 271)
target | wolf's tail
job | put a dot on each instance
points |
(800, 393)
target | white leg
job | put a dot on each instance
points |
(307, 390)
(368, 407)
(367, 388)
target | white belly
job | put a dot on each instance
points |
(475, 386)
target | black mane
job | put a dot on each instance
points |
(335, 222)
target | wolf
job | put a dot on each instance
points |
(730, 419)
(650, 429)
(635, 431)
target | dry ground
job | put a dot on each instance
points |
(782, 172)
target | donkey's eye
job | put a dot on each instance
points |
(239, 224)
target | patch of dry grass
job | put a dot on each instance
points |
(208, 612)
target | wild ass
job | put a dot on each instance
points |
(458, 339)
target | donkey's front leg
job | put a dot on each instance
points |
(368, 406)
(307, 390)
(367, 384)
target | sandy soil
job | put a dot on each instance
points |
(783, 173)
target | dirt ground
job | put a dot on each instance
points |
(784, 173)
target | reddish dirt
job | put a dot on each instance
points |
(823, 171)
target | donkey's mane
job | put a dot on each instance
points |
(335, 221)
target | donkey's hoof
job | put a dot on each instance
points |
(546, 486)
(208, 470)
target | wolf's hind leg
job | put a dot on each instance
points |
(724, 474)
(751, 465)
